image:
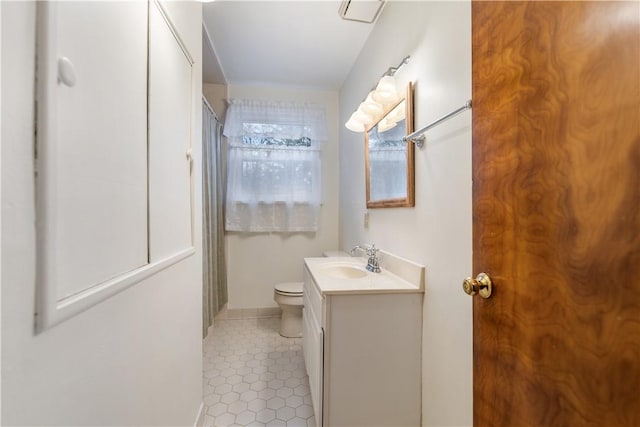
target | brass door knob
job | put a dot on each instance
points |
(480, 285)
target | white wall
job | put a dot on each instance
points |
(256, 262)
(134, 359)
(437, 232)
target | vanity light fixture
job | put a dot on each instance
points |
(359, 121)
(371, 106)
(385, 124)
(377, 101)
(386, 92)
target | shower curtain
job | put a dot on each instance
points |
(214, 290)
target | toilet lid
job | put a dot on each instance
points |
(289, 288)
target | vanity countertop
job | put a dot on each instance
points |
(347, 275)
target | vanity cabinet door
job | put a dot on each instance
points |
(314, 357)
(313, 342)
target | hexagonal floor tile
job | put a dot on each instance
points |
(241, 387)
(304, 411)
(266, 415)
(222, 389)
(258, 385)
(256, 405)
(225, 419)
(284, 392)
(217, 409)
(230, 397)
(297, 422)
(293, 401)
(245, 418)
(237, 407)
(267, 393)
(285, 413)
(253, 376)
(275, 403)
(249, 395)
(276, 423)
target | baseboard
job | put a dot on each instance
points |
(248, 313)
(200, 417)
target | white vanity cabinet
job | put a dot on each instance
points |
(362, 350)
(313, 340)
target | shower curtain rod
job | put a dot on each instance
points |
(418, 137)
(210, 108)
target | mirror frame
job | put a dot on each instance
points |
(409, 200)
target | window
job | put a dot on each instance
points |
(274, 166)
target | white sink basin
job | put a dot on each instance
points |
(348, 275)
(344, 271)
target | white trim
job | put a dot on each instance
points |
(247, 313)
(174, 31)
(51, 312)
(200, 417)
(213, 50)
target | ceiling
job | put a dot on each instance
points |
(292, 43)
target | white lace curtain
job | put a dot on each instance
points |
(274, 166)
(278, 119)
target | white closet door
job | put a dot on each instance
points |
(170, 105)
(92, 155)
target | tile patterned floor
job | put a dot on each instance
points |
(255, 377)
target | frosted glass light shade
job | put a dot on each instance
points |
(358, 121)
(386, 124)
(354, 125)
(386, 83)
(397, 114)
(369, 106)
(386, 92)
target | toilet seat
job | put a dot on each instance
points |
(290, 289)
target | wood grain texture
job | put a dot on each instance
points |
(556, 190)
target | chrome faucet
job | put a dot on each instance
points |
(356, 247)
(372, 252)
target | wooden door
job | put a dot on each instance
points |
(556, 222)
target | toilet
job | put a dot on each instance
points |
(288, 295)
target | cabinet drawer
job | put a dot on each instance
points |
(311, 297)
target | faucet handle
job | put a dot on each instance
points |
(372, 262)
(370, 250)
(355, 248)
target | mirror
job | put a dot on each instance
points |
(389, 161)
